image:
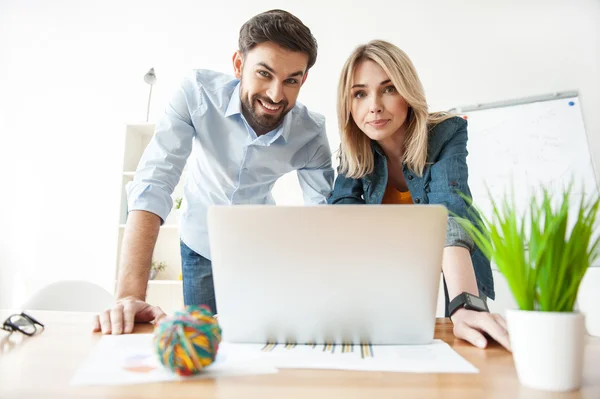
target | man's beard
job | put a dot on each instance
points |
(261, 122)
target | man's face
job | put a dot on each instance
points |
(271, 77)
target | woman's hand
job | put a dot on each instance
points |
(471, 326)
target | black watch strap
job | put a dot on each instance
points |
(467, 301)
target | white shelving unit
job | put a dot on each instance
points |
(166, 290)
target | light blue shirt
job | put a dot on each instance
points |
(229, 163)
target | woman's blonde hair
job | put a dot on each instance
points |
(356, 156)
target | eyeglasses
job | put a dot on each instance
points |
(22, 323)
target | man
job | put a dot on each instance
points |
(243, 133)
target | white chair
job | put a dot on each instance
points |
(73, 295)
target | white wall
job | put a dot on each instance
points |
(71, 76)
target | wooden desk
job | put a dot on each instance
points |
(42, 367)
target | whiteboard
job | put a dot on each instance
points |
(519, 146)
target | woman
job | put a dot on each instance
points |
(393, 151)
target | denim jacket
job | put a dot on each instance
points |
(445, 174)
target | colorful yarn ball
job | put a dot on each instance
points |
(188, 341)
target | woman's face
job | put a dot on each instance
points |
(377, 107)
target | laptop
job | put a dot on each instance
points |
(328, 273)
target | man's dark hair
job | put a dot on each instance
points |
(279, 27)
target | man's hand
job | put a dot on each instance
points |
(121, 318)
(471, 325)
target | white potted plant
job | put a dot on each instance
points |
(156, 267)
(543, 254)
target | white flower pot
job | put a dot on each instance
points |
(588, 300)
(547, 348)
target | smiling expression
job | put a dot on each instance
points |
(271, 77)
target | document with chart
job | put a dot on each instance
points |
(131, 359)
(438, 357)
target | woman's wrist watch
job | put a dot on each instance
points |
(467, 301)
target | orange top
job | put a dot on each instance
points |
(393, 196)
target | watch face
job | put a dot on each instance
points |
(478, 302)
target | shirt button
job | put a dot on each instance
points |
(417, 201)
(245, 169)
(410, 177)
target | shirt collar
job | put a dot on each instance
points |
(234, 107)
(286, 126)
(282, 131)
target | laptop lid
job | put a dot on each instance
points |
(321, 274)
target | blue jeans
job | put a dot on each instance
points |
(198, 286)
